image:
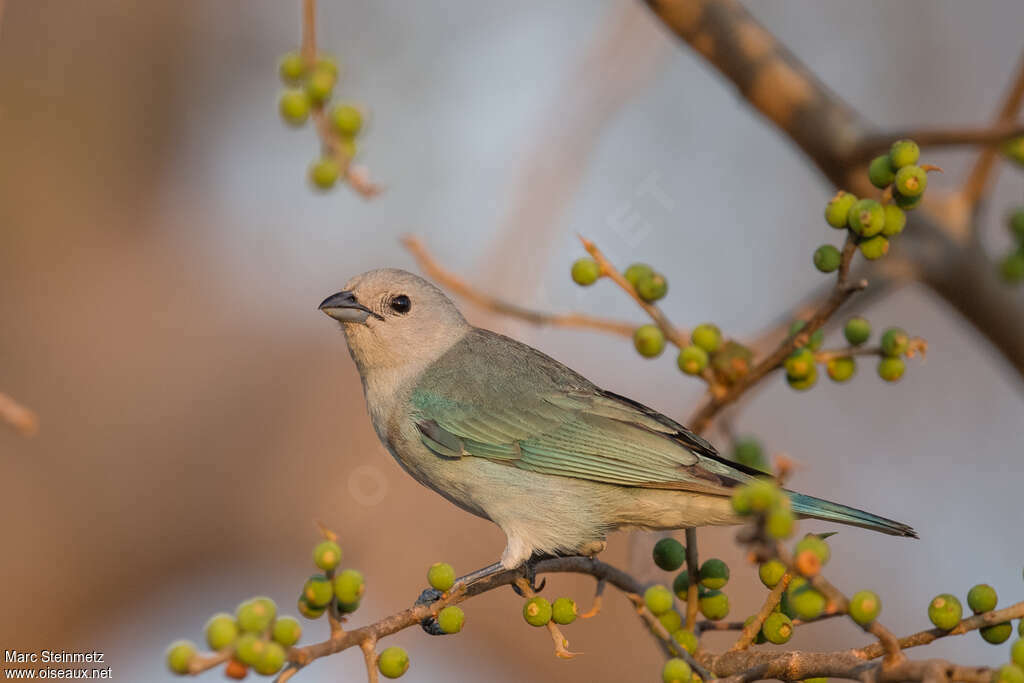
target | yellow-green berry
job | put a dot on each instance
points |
(291, 68)
(816, 339)
(348, 607)
(441, 576)
(945, 611)
(895, 341)
(911, 181)
(537, 611)
(349, 586)
(309, 611)
(904, 202)
(714, 605)
(649, 341)
(563, 611)
(327, 555)
(318, 590)
(748, 451)
(996, 633)
(841, 369)
(771, 572)
(1017, 652)
(865, 607)
(637, 271)
(1008, 673)
(904, 153)
(671, 620)
(777, 628)
(692, 360)
(585, 271)
(681, 585)
(271, 659)
(676, 671)
(249, 648)
(294, 107)
(686, 639)
(816, 545)
(707, 336)
(320, 84)
(221, 630)
(652, 287)
(867, 218)
(714, 573)
(982, 598)
(347, 119)
(451, 618)
(256, 615)
(761, 494)
(1014, 150)
(874, 248)
(880, 172)
(857, 331)
(895, 220)
(327, 63)
(179, 656)
(837, 211)
(669, 554)
(800, 364)
(827, 258)
(658, 599)
(779, 522)
(804, 600)
(1011, 268)
(393, 662)
(1015, 221)
(891, 369)
(287, 631)
(324, 172)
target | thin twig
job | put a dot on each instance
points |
(370, 659)
(693, 570)
(999, 132)
(750, 631)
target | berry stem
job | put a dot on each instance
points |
(750, 631)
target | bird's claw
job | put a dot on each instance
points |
(529, 570)
(429, 596)
(431, 627)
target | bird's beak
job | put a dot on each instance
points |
(343, 307)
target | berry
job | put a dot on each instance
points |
(779, 522)
(1016, 224)
(996, 633)
(328, 64)
(841, 369)
(1008, 673)
(1011, 268)
(309, 611)
(348, 607)
(271, 659)
(771, 572)
(837, 211)
(904, 202)
(864, 607)
(563, 611)
(681, 585)
(873, 248)
(714, 574)
(867, 218)
(982, 598)
(911, 181)
(748, 451)
(676, 671)
(652, 287)
(249, 648)
(777, 628)
(649, 341)
(945, 611)
(669, 554)
(441, 576)
(827, 258)
(292, 68)
(451, 619)
(817, 337)
(348, 147)
(287, 631)
(349, 586)
(816, 545)
(658, 599)
(1017, 652)
(320, 84)
(692, 360)
(857, 331)
(585, 271)
(686, 639)
(347, 120)
(324, 172)
(895, 220)
(895, 342)
(537, 611)
(235, 669)
(707, 336)
(800, 364)
(804, 601)
(221, 631)
(1014, 150)
(294, 107)
(1020, 628)
(327, 555)
(318, 591)
(880, 172)
(804, 383)
(179, 656)
(255, 615)
(393, 662)
(763, 495)
(671, 620)
(637, 271)
(714, 605)
(904, 153)
(891, 369)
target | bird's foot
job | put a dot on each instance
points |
(529, 572)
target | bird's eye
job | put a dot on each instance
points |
(401, 304)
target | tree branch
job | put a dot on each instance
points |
(879, 143)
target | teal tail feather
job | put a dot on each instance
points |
(816, 508)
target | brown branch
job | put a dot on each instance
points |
(18, 416)
(370, 659)
(455, 284)
(750, 631)
(995, 134)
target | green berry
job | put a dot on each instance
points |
(271, 659)
(911, 181)
(347, 119)
(287, 631)
(681, 585)
(348, 607)
(867, 218)
(906, 203)
(451, 618)
(249, 648)
(804, 600)
(777, 628)
(1011, 268)
(761, 495)
(815, 680)
(857, 331)
(748, 451)
(982, 598)
(393, 662)
(873, 248)
(771, 572)
(669, 554)
(294, 107)
(649, 341)
(1008, 673)
(324, 172)
(945, 611)
(328, 64)
(714, 605)
(221, 631)
(996, 633)
(686, 639)
(805, 383)
(864, 607)
(179, 656)
(292, 68)
(707, 336)
(827, 258)
(895, 220)
(637, 271)
(895, 342)
(800, 364)
(441, 576)
(652, 287)
(779, 522)
(891, 369)
(348, 147)
(816, 339)
(692, 360)
(816, 545)
(309, 611)
(880, 172)
(537, 611)
(255, 615)
(585, 271)
(318, 590)
(658, 599)
(841, 369)
(714, 574)
(837, 211)
(904, 153)
(671, 620)
(327, 555)
(1016, 223)
(1020, 628)
(676, 671)
(320, 84)
(1014, 150)
(563, 611)
(1017, 652)
(349, 586)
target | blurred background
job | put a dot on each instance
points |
(161, 259)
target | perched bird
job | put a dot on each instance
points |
(509, 434)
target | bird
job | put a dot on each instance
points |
(511, 435)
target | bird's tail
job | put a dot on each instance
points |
(816, 508)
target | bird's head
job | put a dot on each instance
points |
(393, 318)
